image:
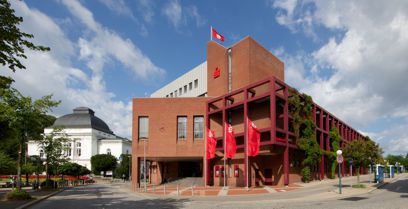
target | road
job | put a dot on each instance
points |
(393, 195)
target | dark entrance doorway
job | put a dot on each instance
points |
(190, 169)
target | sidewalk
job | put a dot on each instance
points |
(36, 195)
(327, 188)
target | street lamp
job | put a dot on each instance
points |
(339, 161)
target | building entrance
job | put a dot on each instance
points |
(190, 169)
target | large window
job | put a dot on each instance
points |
(198, 127)
(195, 83)
(143, 127)
(41, 153)
(181, 127)
(108, 151)
(78, 149)
(67, 149)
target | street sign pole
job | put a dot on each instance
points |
(339, 161)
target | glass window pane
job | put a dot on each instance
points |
(143, 127)
(182, 127)
(198, 127)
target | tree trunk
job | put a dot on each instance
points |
(358, 175)
(19, 166)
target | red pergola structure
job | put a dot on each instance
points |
(278, 132)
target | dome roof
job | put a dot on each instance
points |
(83, 117)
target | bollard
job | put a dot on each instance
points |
(164, 189)
(177, 189)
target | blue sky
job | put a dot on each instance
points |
(350, 56)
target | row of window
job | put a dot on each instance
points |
(180, 91)
(67, 150)
(181, 127)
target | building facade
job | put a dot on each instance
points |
(244, 81)
(88, 136)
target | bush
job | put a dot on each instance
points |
(306, 174)
(48, 184)
(17, 194)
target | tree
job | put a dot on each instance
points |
(335, 142)
(13, 41)
(53, 146)
(7, 165)
(363, 152)
(73, 169)
(102, 163)
(124, 166)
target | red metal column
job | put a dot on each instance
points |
(272, 114)
(321, 145)
(224, 121)
(286, 128)
(246, 160)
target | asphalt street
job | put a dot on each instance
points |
(393, 195)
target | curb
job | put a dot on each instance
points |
(40, 199)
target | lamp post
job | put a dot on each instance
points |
(339, 161)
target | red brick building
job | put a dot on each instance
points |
(243, 81)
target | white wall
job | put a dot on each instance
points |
(199, 72)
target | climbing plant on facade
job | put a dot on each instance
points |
(300, 108)
(335, 142)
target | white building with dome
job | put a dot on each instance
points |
(89, 136)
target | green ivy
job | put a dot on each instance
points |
(300, 108)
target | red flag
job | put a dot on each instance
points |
(230, 144)
(254, 138)
(211, 143)
(216, 35)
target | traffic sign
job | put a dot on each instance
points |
(351, 161)
(340, 158)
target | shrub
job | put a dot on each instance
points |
(47, 184)
(306, 174)
(17, 194)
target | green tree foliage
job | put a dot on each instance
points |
(13, 41)
(73, 169)
(363, 153)
(102, 163)
(335, 142)
(300, 108)
(7, 165)
(124, 166)
(53, 146)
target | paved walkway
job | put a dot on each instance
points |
(327, 187)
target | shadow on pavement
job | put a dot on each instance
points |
(400, 186)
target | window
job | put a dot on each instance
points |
(195, 83)
(67, 149)
(108, 151)
(143, 127)
(41, 153)
(167, 95)
(198, 127)
(171, 94)
(185, 88)
(78, 148)
(190, 86)
(181, 127)
(175, 93)
(180, 91)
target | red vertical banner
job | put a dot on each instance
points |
(230, 144)
(254, 139)
(211, 144)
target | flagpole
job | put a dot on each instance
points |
(205, 159)
(247, 158)
(225, 152)
(211, 33)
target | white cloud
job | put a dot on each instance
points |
(146, 8)
(119, 7)
(52, 72)
(173, 11)
(365, 70)
(179, 16)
